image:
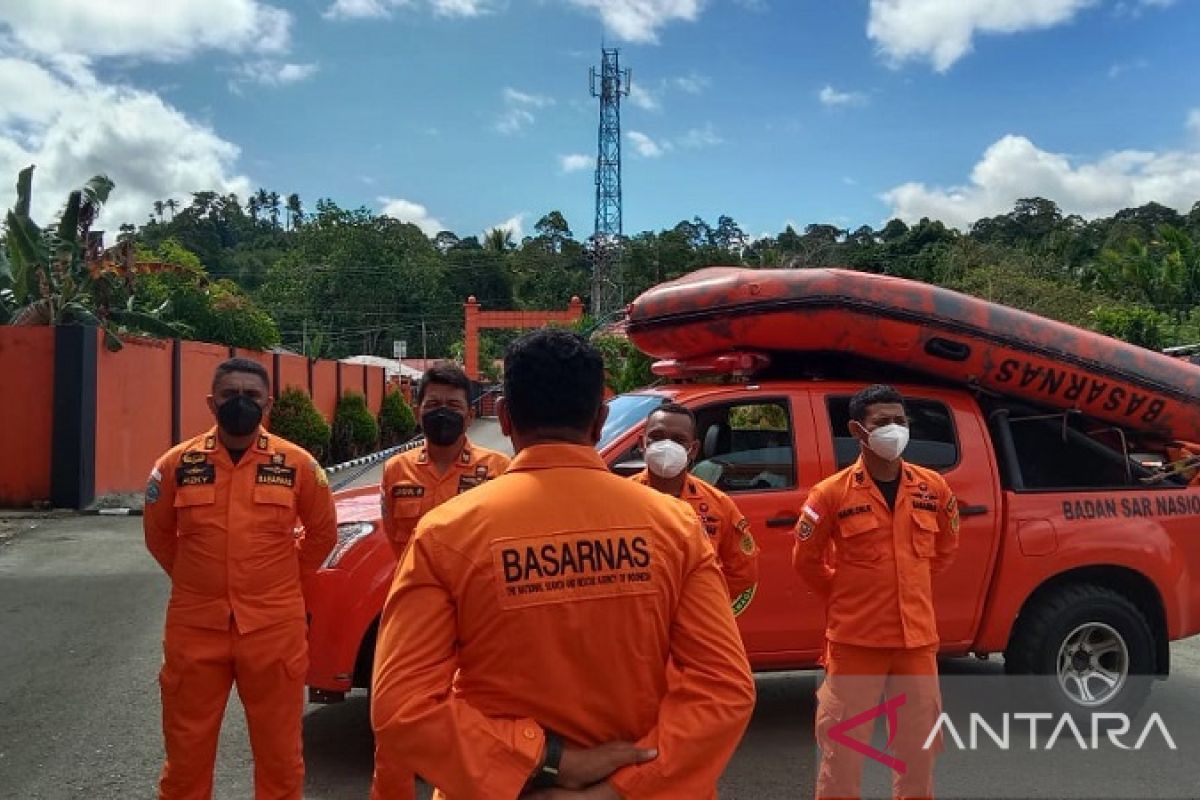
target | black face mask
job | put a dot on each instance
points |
(239, 415)
(443, 426)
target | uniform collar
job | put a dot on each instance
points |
(262, 443)
(552, 456)
(687, 490)
(864, 481)
(465, 458)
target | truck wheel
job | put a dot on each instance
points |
(1094, 646)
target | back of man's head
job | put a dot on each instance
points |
(553, 380)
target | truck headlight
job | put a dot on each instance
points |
(348, 535)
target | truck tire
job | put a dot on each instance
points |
(1093, 645)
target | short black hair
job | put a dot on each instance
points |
(445, 373)
(675, 408)
(553, 378)
(240, 364)
(870, 396)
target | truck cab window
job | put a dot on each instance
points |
(1067, 451)
(746, 447)
(933, 442)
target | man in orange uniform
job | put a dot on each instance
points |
(542, 624)
(870, 538)
(220, 518)
(447, 464)
(670, 446)
(417, 480)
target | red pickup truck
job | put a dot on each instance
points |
(1077, 559)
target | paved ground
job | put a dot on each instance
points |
(81, 606)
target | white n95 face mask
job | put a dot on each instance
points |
(888, 441)
(666, 458)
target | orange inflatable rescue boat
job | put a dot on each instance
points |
(920, 327)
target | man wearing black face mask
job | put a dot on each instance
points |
(446, 464)
(420, 478)
(220, 518)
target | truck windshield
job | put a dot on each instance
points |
(624, 412)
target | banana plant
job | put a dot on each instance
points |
(46, 275)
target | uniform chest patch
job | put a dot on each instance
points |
(408, 490)
(275, 475)
(851, 511)
(197, 474)
(924, 505)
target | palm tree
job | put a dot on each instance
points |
(252, 207)
(273, 203)
(158, 209)
(498, 240)
(58, 275)
(172, 204)
(295, 211)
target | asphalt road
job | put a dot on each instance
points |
(82, 607)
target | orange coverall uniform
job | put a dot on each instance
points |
(559, 595)
(875, 566)
(729, 532)
(226, 536)
(411, 486)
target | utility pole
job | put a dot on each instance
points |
(424, 349)
(609, 85)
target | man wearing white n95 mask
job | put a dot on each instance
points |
(670, 446)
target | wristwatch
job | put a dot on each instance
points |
(547, 775)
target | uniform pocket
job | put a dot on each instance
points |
(275, 507)
(924, 535)
(407, 508)
(859, 540)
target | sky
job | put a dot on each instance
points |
(472, 114)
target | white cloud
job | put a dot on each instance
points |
(1193, 121)
(693, 83)
(72, 127)
(645, 146)
(148, 29)
(460, 8)
(512, 95)
(415, 213)
(1121, 67)
(1014, 167)
(643, 98)
(575, 162)
(640, 20)
(380, 9)
(833, 98)
(363, 9)
(697, 138)
(268, 72)
(519, 112)
(942, 31)
(515, 225)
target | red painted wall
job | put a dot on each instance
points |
(26, 426)
(374, 389)
(293, 372)
(133, 412)
(325, 387)
(200, 361)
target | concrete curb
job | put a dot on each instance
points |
(333, 470)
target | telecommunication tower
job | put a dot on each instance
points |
(609, 84)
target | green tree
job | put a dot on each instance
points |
(396, 420)
(296, 418)
(355, 431)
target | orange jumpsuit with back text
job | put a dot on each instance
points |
(412, 486)
(226, 536)
(727, 529)
(875, 566)
(559, 596)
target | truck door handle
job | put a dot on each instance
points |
(972, 511)
(783, 522)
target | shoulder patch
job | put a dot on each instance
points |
(742, 601)
(806, 529)
(153, 488)
(319, 474)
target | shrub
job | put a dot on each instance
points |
(396, 420)
(295, 418)
(355, 431)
